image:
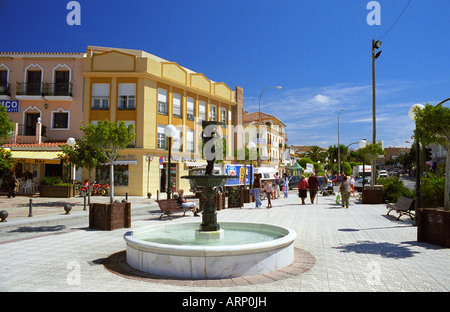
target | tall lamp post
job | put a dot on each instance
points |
(375, 45)
(170, 131)
(259, 121)
(339, 148)
(412, 115)
(71, 142)
(251, 149)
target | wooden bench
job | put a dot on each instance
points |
(169, 206)
(403, 206)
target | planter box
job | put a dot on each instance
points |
(372, 194)
(110, 216)
(433, 226)
(63, 191)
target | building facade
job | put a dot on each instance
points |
(149, 92)
(271, 137)
(43, 94)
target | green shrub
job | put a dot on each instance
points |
(432, 191)
(51, 181)
(393, 188)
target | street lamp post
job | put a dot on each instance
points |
(412, 115)
(170, 131)
(251, 149)
(259, 121)
(339, 148)
(375, 45)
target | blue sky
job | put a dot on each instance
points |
(318, 51)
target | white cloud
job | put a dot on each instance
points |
(310, 114)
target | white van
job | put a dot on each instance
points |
(267, 173)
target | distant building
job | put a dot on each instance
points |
(272, 140)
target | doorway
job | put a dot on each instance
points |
(30, 123)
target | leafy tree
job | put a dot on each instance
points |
(109, 138)
(373, 151)
(84, 155)
(6, 126)
(433, 126)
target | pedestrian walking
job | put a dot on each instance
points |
(277, 185)
(257, 189)
(13, 184)
(303, 188)
(351, 181)
(269, 192)
(285, 185)
(314, 185)
(345, 190)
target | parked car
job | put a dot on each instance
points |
(358, 184)
(337, 180)
(382, 174)
(293, 182)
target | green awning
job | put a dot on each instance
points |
(296, 166)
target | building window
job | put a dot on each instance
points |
(62, 83)
(161, 137)
(121, 174)
(202, 110)
(190, 113)
(34, 82)
(60, 120)
(177, 105)
(190, 141)
(127, 96)
(213, 113)
(100, 96)
(223, 117)
(162, 101)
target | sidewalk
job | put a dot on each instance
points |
(354, 249)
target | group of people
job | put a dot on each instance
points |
(272, 190)
(312, 184)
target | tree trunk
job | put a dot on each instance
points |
(447, 180)
(111, 181)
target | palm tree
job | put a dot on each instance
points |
(316, 154)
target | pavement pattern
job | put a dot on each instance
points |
(359, 249)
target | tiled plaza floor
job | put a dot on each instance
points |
(355, 249)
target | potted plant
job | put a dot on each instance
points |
(54, 187)
(433, 126)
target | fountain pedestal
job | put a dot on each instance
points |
(208, 185)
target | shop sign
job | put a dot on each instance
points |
(11, 106)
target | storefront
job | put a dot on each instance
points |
(37, 164)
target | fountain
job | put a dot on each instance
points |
(210, 251)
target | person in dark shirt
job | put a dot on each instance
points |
(313, 182)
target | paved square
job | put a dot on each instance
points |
(355, 249)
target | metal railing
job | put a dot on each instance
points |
(44, 89)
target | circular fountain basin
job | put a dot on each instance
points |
(246, 249)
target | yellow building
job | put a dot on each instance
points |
(142, 89)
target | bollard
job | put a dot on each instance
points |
(30, 208)
(3, 215)
(84, 205)
(126, 197)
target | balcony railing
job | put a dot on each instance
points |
(44, 89)
(58, 89)
(30, 130)
(5, 89)
(29, 89)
